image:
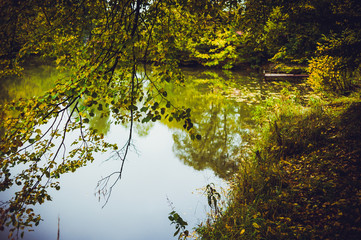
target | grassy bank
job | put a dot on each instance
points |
(303, 180)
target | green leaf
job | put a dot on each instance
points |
(145, 120)
(55, 96)
(155, 105)
(133, 108)
(144, 109)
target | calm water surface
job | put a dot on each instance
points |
(165, 169)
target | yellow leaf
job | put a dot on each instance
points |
(255, 225)
(242, 231)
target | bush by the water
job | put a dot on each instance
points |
(331, 74)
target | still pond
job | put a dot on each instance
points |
(165, 170)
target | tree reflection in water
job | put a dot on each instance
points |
(221, 121)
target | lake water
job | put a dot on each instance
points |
(164, 171)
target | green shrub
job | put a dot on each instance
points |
(329, 73)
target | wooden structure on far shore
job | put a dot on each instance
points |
(283, 75)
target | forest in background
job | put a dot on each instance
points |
(305, 166)
(227, 34)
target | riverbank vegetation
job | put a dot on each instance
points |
(301, 181)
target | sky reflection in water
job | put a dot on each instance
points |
(138, 207)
